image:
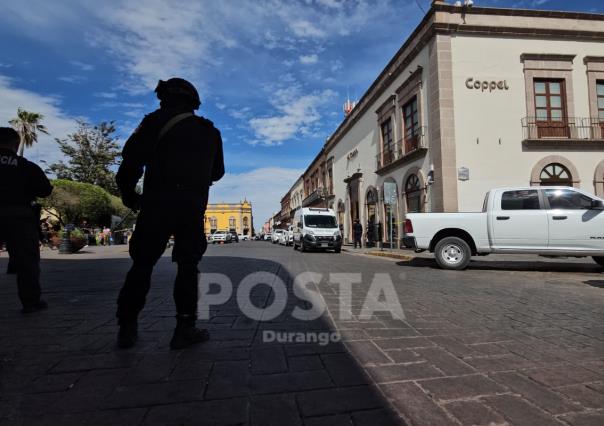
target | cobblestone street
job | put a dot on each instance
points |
(510, 340)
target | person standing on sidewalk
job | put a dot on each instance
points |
(357, 231)
(21, 182)
(181, 156)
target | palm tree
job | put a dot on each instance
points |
(27, 124)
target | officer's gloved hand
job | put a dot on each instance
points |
(132, 200)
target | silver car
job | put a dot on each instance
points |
(221, 237)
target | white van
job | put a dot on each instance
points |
(316, 228)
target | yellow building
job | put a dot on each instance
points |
(229, 217)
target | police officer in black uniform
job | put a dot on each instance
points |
(21, 181)
(181, 156)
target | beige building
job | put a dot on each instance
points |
(476, 98)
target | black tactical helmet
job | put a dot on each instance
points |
(177, 89)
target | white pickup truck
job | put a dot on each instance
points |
(548, 221)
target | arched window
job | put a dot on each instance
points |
(246, 222)
(232, 222)
(213, 223)
(413, 194)
(555, 174)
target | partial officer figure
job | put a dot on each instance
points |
(21, 181)
(181, 156)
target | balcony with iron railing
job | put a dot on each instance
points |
(315, 197)
(566, 130)
(406, 149)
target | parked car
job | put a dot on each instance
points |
(276, 235)
(234, 236)
(221, 237)
(244, 237)
(316, 228)
(284, 238)
(548, 221)
(268, 237)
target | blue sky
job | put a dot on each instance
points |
(273, 75)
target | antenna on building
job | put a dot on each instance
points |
(348, 105)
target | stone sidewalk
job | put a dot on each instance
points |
(497, 344)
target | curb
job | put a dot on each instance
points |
(382, 254)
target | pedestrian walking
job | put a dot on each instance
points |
(21, 182)
(181, 156)
(357, 231)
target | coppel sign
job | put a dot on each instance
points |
(485, 85)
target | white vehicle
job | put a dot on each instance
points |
(221, 237)
(547, 221)
(316, 228)
(284, 238)
(244, 237)
(290, 236)
(276, 235)
(268, 237)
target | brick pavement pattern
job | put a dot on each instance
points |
(516, 342)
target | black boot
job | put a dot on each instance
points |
(128, 334)
(30, 309)
(186, 334)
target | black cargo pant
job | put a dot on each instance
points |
(155, 224)
(357, 240)
(22, 241)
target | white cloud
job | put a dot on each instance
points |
(309, 59)
(264, 187)
(106, 95)
(161, 39)
(333, 4)
(306, 29)
(82, 66)
(297, 114)
(58, 123)
(75, 79)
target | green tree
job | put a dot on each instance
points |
(27, 124)
(91, 152)
(76, 202)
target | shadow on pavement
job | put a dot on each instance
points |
(521, 266)
(595, 283)
(62, 367)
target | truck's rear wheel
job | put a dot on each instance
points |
(599, 260)
(452, 253)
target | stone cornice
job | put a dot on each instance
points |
(431, 25)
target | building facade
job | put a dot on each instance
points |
(318, 182)
(236, 217)
(476, 98)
